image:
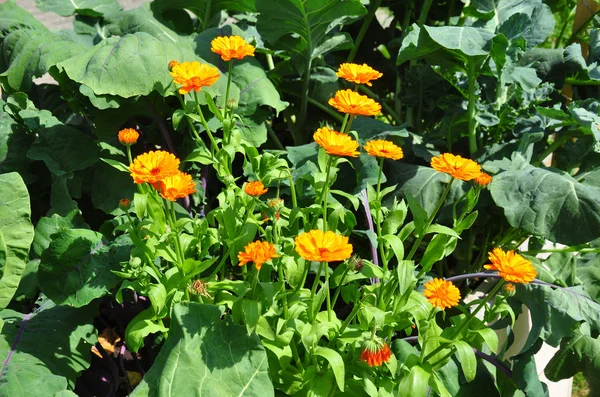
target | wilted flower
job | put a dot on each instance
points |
(356, 263)
(456, 166)
(323, 246)
(231, 47)
(511, 267)
(176, 186)
(128, 136)
(441, 293)
(258, 252)
(348, 101)
(194, 76)
(358, 74)
(153, 166)
(255, 188)
(375, 353)
(198, 287)
(483, 179)
(335, 143)
(383, 148)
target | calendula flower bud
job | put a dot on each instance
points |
(509, 289)
(128, 136)
(356, 263)
(124, 204)
(232, 104)
(375, 352)
(229, 180)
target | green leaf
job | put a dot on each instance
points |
(446, 45)
(45, 351)
(30, 54)
(64, 149)
(580, 353)
(548, 204)
(207, 354)
(204, 8)
(555, 313)
(436, 250)
(337, 364)
(127, 66)
(66, 8)
(109, 186)
(141, 326)
(47, 226)
(116, 164)
(525, 373)
(466, 357)
(301, 26)
(415, 383)
(13, 17)
(76, 267)
(16, 234)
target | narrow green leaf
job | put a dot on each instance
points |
(466, 357)
(337, 364)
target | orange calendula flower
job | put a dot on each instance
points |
(231, 47)
(483, 179)
(176, 186)
(511, 267)
(375, 353)
(383, 148)
(456, 166)
(441, 293)
(172, 64)
(323, 246)
(348, 101)
(258, 252)
(194, 76)
(255, 188)
(358, 74)
(154, 166)
(128, 136)
(335, 143)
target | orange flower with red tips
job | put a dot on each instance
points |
(483, 179)
(323, 246)
(258, 252)
(375, 353)
(128, 136)
(255, 188)
(350, 102)
(176, 186)
(456, 166)
(358, 74)
(194, 76)
(153, 166)
(335, 143)
(441, 293)
(384, 149)
(511, 267)
(231, 47)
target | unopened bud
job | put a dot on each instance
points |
(232, 104)
(229, 180)
(124, 204)
(356, 263)
(172, 64)
(509, 289)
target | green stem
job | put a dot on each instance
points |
(471, 108)
(363, 29)
(314, 289)
(424, 12)
(564, 28)
(170, 214)
(346, 116)
(339, 288)
(129, 154)
(378, 225)
(274, 137)
(206, 15)
(226, 131)
(304, 97)
(348, 320)
(296, 356)
(349, 124)
(284, 297)
(191, 124)
(270, 62)
(327, 292)
(325, 192)
(429, 220)
(550, 149)
(213, 143)
(293, 190)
